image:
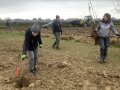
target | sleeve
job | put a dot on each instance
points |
(53, 27)
(61, 28)
(39, 38)
(26, 43)
(98, 26)
(113, 29)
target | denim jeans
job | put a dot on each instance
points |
(33, 57)
(57, 40)
(104, 44)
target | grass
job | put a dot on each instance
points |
(10, 34)
(81, 59)
(74, 48)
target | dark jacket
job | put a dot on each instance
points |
(31, 42)
(56, 26)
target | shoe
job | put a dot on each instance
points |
(101, 60)
(104, 61)
(57, 48)
(105, 58)
(35, 69)
(53, 47)
(32, 71)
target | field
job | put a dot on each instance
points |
(74, 67)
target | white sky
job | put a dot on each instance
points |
(28, 9)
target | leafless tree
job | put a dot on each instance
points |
(8, 22)
(116, 4)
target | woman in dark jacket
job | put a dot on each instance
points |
(30, 46)
(103, 30)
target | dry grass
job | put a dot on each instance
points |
(74, 67)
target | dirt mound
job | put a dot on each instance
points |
(22, 82)
(58, 65)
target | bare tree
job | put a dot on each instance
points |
(116, 4)
(8, 22)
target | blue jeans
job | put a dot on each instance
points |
(57, 40)
(104, 44)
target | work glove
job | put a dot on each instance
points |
(23, 56)
(40, 46)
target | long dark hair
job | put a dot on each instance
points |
(109, 18)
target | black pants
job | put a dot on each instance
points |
(104, 44)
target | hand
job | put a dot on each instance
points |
(40, 46)
(118, 34)
(23, 56)
(95, 30)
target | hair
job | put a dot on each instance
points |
(109, 18)
(57, 16)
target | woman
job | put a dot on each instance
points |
(103, 31)
(30, 46)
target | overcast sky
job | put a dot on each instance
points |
(28, 9)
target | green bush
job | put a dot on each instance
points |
(3, 27)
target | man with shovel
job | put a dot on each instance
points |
(30, 46)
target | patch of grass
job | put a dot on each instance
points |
(67, 38)
(77, 41)
(46, 36)
(10, 34)
(75, 63)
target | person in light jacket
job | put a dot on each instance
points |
(31, 43)
(103, 30)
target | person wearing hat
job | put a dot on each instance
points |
(103, 30)
(57, 31)
(30, 46)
